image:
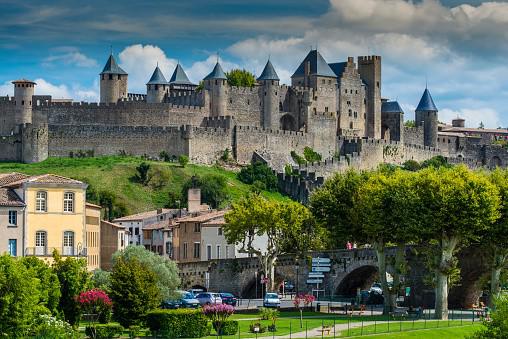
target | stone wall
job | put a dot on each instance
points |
(413, 135)
(245, 105)
(206, 145)
(7, 115)
(10, 148)
(111, 140)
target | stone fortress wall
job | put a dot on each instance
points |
(336, 115)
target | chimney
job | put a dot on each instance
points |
(194, 200)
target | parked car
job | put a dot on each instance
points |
(195, 291)
(228, 298)
(271, 300)
(376, 287)
(209, 298)
(182, 300)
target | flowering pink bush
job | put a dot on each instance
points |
(218, 312)
(96, 302)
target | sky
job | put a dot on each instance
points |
(457, 47)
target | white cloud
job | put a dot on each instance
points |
(70, 56)
(140, 61)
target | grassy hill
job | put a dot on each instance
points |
(115, 175)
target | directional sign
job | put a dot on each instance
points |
(314, 281)
(313, 275)
(321, 269)
(320, 261)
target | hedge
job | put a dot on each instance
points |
(228, 327)
(180, 323)
(103, 331)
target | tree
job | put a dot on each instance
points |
(388, 210)
(436, 162)
(310, 155)
(142, 173)
(158, 177)
(457, 205)
(183, 160)
(409, 123)
(165, 270)
(333, 207)
(133, 291)
(298, 158)
(101, 280)
(213, 188)
(496, 237)
(113, 208)
(411, 165)
(259, 171)
(74, 279)
(19, 296)
(254, 217)
(240, 78)
(49, 285)
(481, 125)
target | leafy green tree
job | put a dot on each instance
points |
(388, 209)
(496, 237)
(258, 171)
(298, 158)
(457, 206)
(409, 123)
(213, 188)
(240, 78)
(133, 290)
(19, 296)
(102, 280)
(333, 207)
(113, 208)
(436, 162)
(183, 160)
(254, 217)
(411, 165)
(310, 155)
(74, 279)
(142, 173)
(164, 156)
(158, 177)
(49, 285)
(166, 271)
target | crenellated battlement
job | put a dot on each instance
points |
(256, 129)
(244, 90)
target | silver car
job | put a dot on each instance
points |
(208, 298)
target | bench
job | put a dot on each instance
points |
(325, 329)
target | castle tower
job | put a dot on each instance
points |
(426, 114)
(23, 93)
(314, 72)
(113, 81)
(369, 68)
(180, 82)
(216, 83)
(270, 82)
(156, 87)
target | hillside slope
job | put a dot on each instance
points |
(115, 175)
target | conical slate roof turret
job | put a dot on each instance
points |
(112, 67)
(179, 77)
(426, 102)
(157, 78)
(391, 107)
(217, 73)
(268, 73)
(318, 66)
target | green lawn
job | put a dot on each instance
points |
(441, 333)
(114, 174)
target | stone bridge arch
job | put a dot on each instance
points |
(362, 277)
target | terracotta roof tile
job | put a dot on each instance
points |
(216, 222)
(205, 217)
(9, 178)
(9, 198)
(144, 215)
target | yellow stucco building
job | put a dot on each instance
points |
(55, 214)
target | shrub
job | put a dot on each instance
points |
(497, 328)
(46, 326)
(258, 171)
(226, 155)
(158, 177)
(411, 165)
(96, 302)
(183, 160)
(311, 155)
(104, 331)
(181, 323)
(228, 327)
(298, 158)
(142, 173)
(164, 156)
(259, 326)
(133, 291)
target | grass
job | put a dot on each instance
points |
(441, 333)
(115, 173)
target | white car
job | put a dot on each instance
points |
(207, 298)
(271, 300)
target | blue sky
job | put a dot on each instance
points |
(459, 46)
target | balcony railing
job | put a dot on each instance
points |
(41, 251)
